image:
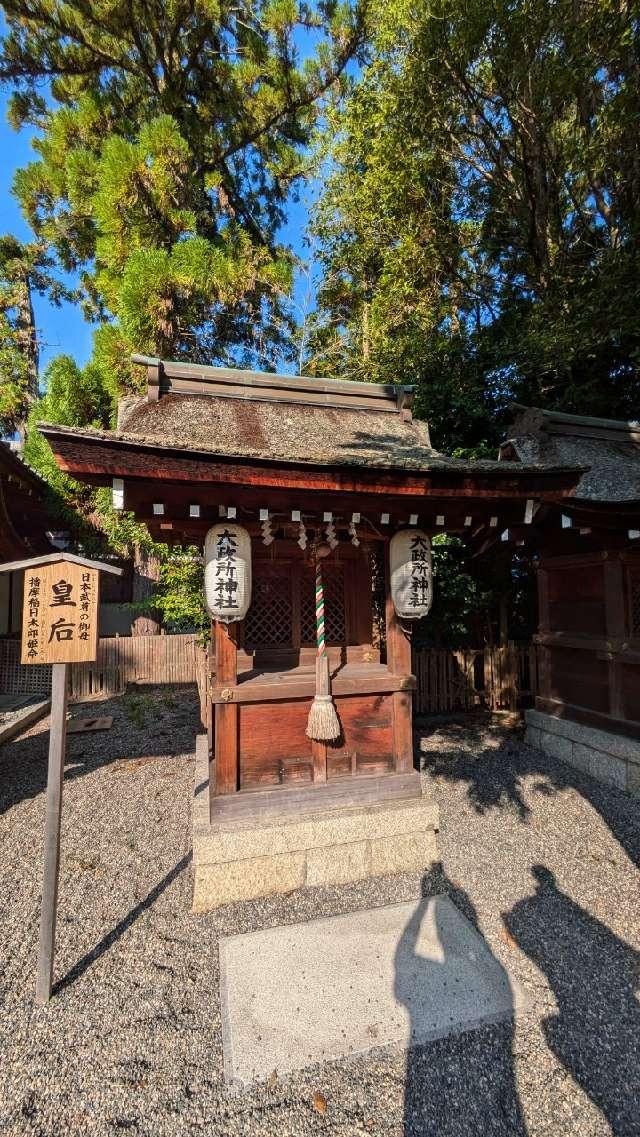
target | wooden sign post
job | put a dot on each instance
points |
(59, 626)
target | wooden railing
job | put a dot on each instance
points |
(498, 678)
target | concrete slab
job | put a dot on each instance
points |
(394, 976)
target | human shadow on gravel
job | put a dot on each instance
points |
(594, 976)
(495, 775)
(463, 1085)
(83, 964)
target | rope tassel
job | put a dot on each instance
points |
(323, 724)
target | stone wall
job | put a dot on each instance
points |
(611, 758)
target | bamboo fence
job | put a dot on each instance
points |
(121, 660)
(499, 678)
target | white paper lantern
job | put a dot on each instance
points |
(227, 572)
(411, 573)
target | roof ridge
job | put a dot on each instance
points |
(622, 425)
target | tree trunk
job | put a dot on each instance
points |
(27, 337)
(146, 574)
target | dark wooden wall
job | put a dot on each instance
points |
(589, 636)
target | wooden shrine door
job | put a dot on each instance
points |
(279, 629)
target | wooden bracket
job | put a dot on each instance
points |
(404, 402)
(154, 375)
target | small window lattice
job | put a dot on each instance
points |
(634, 602)
(269, 619)
(334, 621)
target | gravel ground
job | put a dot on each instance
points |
(541, 858)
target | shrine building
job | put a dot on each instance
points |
(320, 498)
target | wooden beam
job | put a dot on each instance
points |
(55, 774)
(205, 377)
(399, 663)
(154, 378)
(283, 689)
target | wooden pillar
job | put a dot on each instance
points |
(210, 663)
(226, 724)
(544, 626)
(319, 756)
(614, 600)
(399, 663)
(57, 744)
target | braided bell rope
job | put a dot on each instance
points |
(320, 632)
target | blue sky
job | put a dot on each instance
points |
(60, 329)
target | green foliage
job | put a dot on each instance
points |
(137, 707)
(479, 226)
(180, 596)
(166, 155)
(74, 397)
(13, 376)
(460, 601)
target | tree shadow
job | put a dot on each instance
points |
(594, 976)
(163, 731)
(495, 777)
(462, 1085)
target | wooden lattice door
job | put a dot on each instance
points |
(269, 621)
(281, 619)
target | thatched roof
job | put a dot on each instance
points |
(259, 416)
(610, 448)
(279, 431)
(302, 436)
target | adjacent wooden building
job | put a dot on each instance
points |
(588, 591)
(27, 527)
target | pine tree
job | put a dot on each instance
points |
(25, 269)
(166, 155)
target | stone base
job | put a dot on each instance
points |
(611, 758)
(247, 859)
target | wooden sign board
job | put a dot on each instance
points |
(60, 613)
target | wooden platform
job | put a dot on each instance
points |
(255, 806)
(272, 685)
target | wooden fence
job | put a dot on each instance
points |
(499, 678)
(121, 660)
